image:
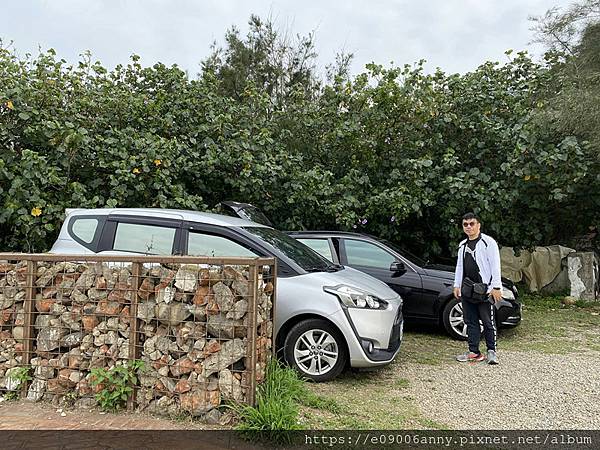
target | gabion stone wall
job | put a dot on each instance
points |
(195, 337)
(13, 278)
(203, 331)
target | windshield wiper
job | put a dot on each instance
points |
(329, 268)
(315, 269)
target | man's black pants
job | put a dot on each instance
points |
(472, 313)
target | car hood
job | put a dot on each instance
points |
(356, 279)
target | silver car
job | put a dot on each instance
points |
(328, 316)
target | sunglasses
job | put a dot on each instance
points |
(469, 224)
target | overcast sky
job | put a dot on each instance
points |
(456, 35)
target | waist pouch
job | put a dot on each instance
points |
(474, 291)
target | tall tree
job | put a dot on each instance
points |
(573, 41)
(271, 59)
(571, 105)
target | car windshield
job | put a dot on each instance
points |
(303, 255)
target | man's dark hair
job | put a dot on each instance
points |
(471, 215)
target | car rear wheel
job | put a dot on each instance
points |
(454, 320)
(316, 349)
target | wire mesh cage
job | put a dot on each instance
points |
(167, 335)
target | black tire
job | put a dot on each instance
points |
(453, 320)
(450, 316)
(321, 363)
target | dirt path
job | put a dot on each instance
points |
(24, 415)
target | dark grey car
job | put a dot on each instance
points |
(425, 288)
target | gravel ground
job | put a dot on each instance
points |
(525, 391)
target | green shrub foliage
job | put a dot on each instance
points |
(395, 152)
(115, 385)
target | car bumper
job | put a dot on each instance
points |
(387, 354)
(508, 313)
(373, 338)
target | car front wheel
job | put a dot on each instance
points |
(316, 349)
(454, 320)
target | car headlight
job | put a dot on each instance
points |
(356, 298)
(507, 293)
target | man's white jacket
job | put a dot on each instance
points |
(487, 256)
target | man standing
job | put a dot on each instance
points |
(477, 284)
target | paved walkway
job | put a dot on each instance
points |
(42, 426)
(24, 415)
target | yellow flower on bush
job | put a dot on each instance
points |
(527, 177)
(157, 162)
(10, 105)
(35, 212)
(136, 170)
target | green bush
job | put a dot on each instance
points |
(395, 152)
(276, 409)
(115, 384)
(22, 375)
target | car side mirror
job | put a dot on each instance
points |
(397, 267)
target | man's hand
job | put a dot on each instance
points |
(496, 295)
(456, 292)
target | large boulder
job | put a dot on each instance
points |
(220, 326)
(231, 352)
(224, 297)
(48, 339)
(230, 386)
(199, 401)
(36, 390)
(146, 311)
(186, 278)
(172, 313)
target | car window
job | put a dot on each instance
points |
(147, 239)
(301, 254)
(201, 244)
(406, 254)
(85, 229)
(362, 253)
(321, 246)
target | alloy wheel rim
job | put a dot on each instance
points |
(457, 320)
(316, 352)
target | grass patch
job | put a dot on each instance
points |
(311, 400)
(549, 326)
(379, 399)
(402, 383)
(278, 401)
(276, 407)
(429, 345)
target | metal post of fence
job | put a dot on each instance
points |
(273, 269)
(253, 280)
(28, 319)
(134, 337)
